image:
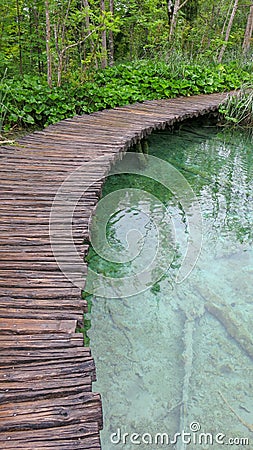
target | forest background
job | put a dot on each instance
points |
(61, 58)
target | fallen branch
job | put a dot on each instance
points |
(246, 424)
(221, 311)
(188, 359)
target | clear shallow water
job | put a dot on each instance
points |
(183, 353)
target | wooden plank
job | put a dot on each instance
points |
(47, 413)
(50, 383)
(43, 314)
(42, 341)
(88, 444)
(32, 358)
(21, 355)
(32, 257)
(66, 305)
(11, 392)
(36, 326)
(44, 370)
(69, 434)
(43, 292)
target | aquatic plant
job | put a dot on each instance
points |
(237, 110)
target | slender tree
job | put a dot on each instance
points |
(48, 47)
(104, 45)
(19, 37)
(230, 23)
(228, 14)
(37, 33)
(178, 5)
(248, 31)
(88, 31)
(170, 8)
(60, 28)
(110, 38)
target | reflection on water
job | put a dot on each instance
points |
(183, 353)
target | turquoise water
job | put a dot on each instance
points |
(179, 356)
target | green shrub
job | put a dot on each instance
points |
(237, 111)
(29, 101)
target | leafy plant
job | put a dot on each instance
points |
(84, 330)
(238, 108)
(32, 103)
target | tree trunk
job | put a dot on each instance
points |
(170, 9)
(87, 25)
(48, 49)
(173, 22)
(104, 46)
(19, 38)
(59, 68)
(111, 42)
(176, 8)
(36, 23)
(60, 54)
(248, 31)
(226, 18)
(230, 23)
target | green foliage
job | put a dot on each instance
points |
(30, 101)
(84, 329)
(191, 10)
(155, 289)
(237, 111)
(139, 29)
(86, 319)
(88, 297)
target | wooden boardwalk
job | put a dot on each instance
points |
(46, 374)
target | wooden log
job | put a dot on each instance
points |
(40, 371)
(42, 341)
(36, 326)
(231, 322)
(22, 356)
(74, 435)
(49, 413)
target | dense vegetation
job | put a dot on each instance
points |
(238, 109)
(60, 58)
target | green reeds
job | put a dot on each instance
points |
(237, 110)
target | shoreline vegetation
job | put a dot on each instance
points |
(80, 56)
(29, 103)
(237, 110)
